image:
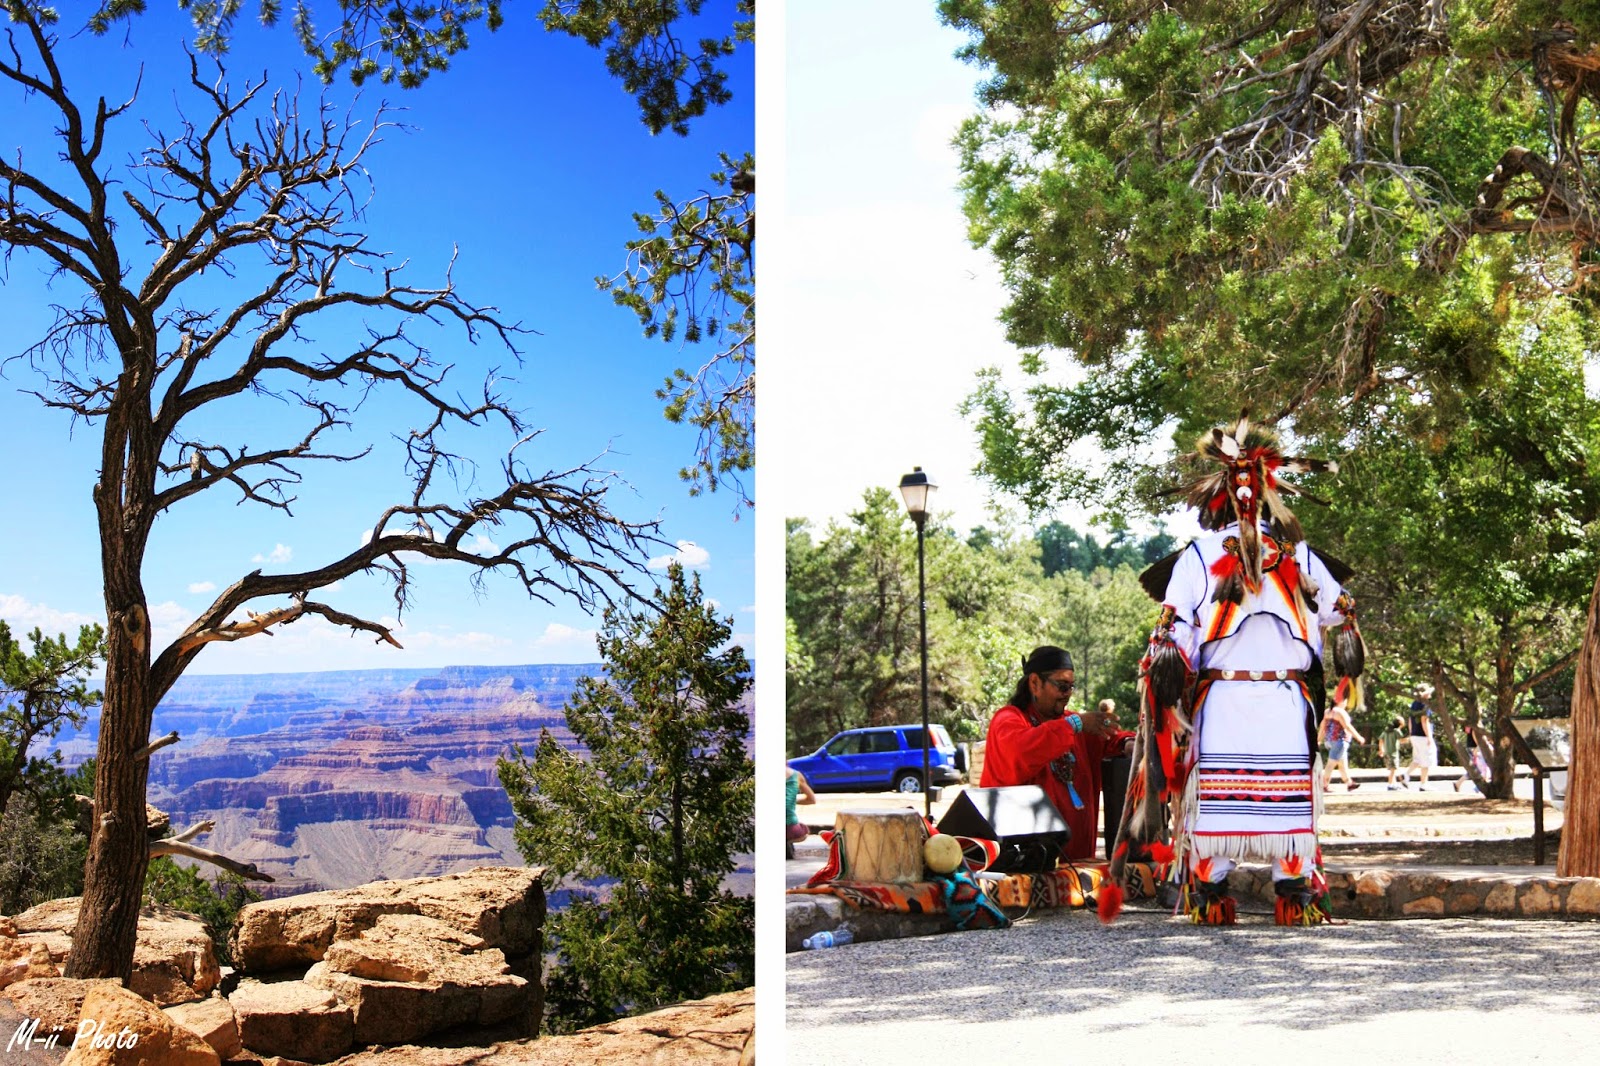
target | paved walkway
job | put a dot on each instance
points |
(1059, 986)
(1458, 991)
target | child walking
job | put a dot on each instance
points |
(1337, 729)
(1389, 742)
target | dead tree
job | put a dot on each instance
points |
(252, 190)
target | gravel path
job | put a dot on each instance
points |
(1150, 988)
(13, 1055)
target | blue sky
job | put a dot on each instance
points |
(525, 160)
(912, 309)
(873, 386)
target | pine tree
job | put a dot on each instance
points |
(648, 824)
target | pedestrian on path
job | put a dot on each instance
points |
(1475, 756)
(1424, 756)
(796, 790)
(1389, 743)
(1336, 731)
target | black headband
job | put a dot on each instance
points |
(1047, 660)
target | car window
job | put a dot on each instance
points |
(847, 744)
(912, 735)
(941, 738)
(884, 741)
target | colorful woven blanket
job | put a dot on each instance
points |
(1068, 886)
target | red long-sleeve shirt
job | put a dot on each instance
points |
(1018, 752)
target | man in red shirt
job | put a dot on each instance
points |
(1034, 741)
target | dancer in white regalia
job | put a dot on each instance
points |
(1232, 689)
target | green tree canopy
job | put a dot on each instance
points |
(1304, 210)
(40, 692)
(1474, 537)
(853, 659)
(657, 809)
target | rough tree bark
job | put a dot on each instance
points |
(1580, 829)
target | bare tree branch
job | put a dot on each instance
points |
(173, 846)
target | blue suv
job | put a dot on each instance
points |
(886, 757)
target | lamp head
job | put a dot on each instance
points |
(916, 488)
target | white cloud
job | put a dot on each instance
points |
(280, 554)
(689, 554)
(202, 586)
(425, 640)
(24, 615)
(751, 609)
(564, 643)
(167, 621)
(933, 131)
(482, 545)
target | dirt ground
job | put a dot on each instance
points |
(1387, 853)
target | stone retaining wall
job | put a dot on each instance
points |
(1359, 894)
(1418, 894)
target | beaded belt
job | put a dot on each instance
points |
(1252, 675)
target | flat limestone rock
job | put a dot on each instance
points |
(705, 1032)
(56, 1001)
(212, 1020)
(174, 960)
(293, 1020)
(120, 1028)
(500, 905)
(451, 990)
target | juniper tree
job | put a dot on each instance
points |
(255, 189)
(1339, 213)
(647, 821)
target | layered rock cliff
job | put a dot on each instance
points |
(361, 778)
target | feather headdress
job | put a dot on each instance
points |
(1249, 490)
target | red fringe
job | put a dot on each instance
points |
(1110, 902)
(1223, 911)
(1161, 853)
(1288, 569)
(1287, 912)
(1166, 745)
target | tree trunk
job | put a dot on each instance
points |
(1580, 833)
(1505, 706)
(119, 847)
(113, 878)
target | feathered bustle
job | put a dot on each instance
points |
(1349, 652)
(1168, 674)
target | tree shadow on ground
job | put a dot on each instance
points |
(1066, 964)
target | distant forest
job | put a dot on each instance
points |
(993, 594)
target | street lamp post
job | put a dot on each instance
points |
(916, 487)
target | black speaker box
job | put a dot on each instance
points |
(1020, 818)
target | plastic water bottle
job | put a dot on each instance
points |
(827, 939)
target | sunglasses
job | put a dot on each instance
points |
(1059, 685)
